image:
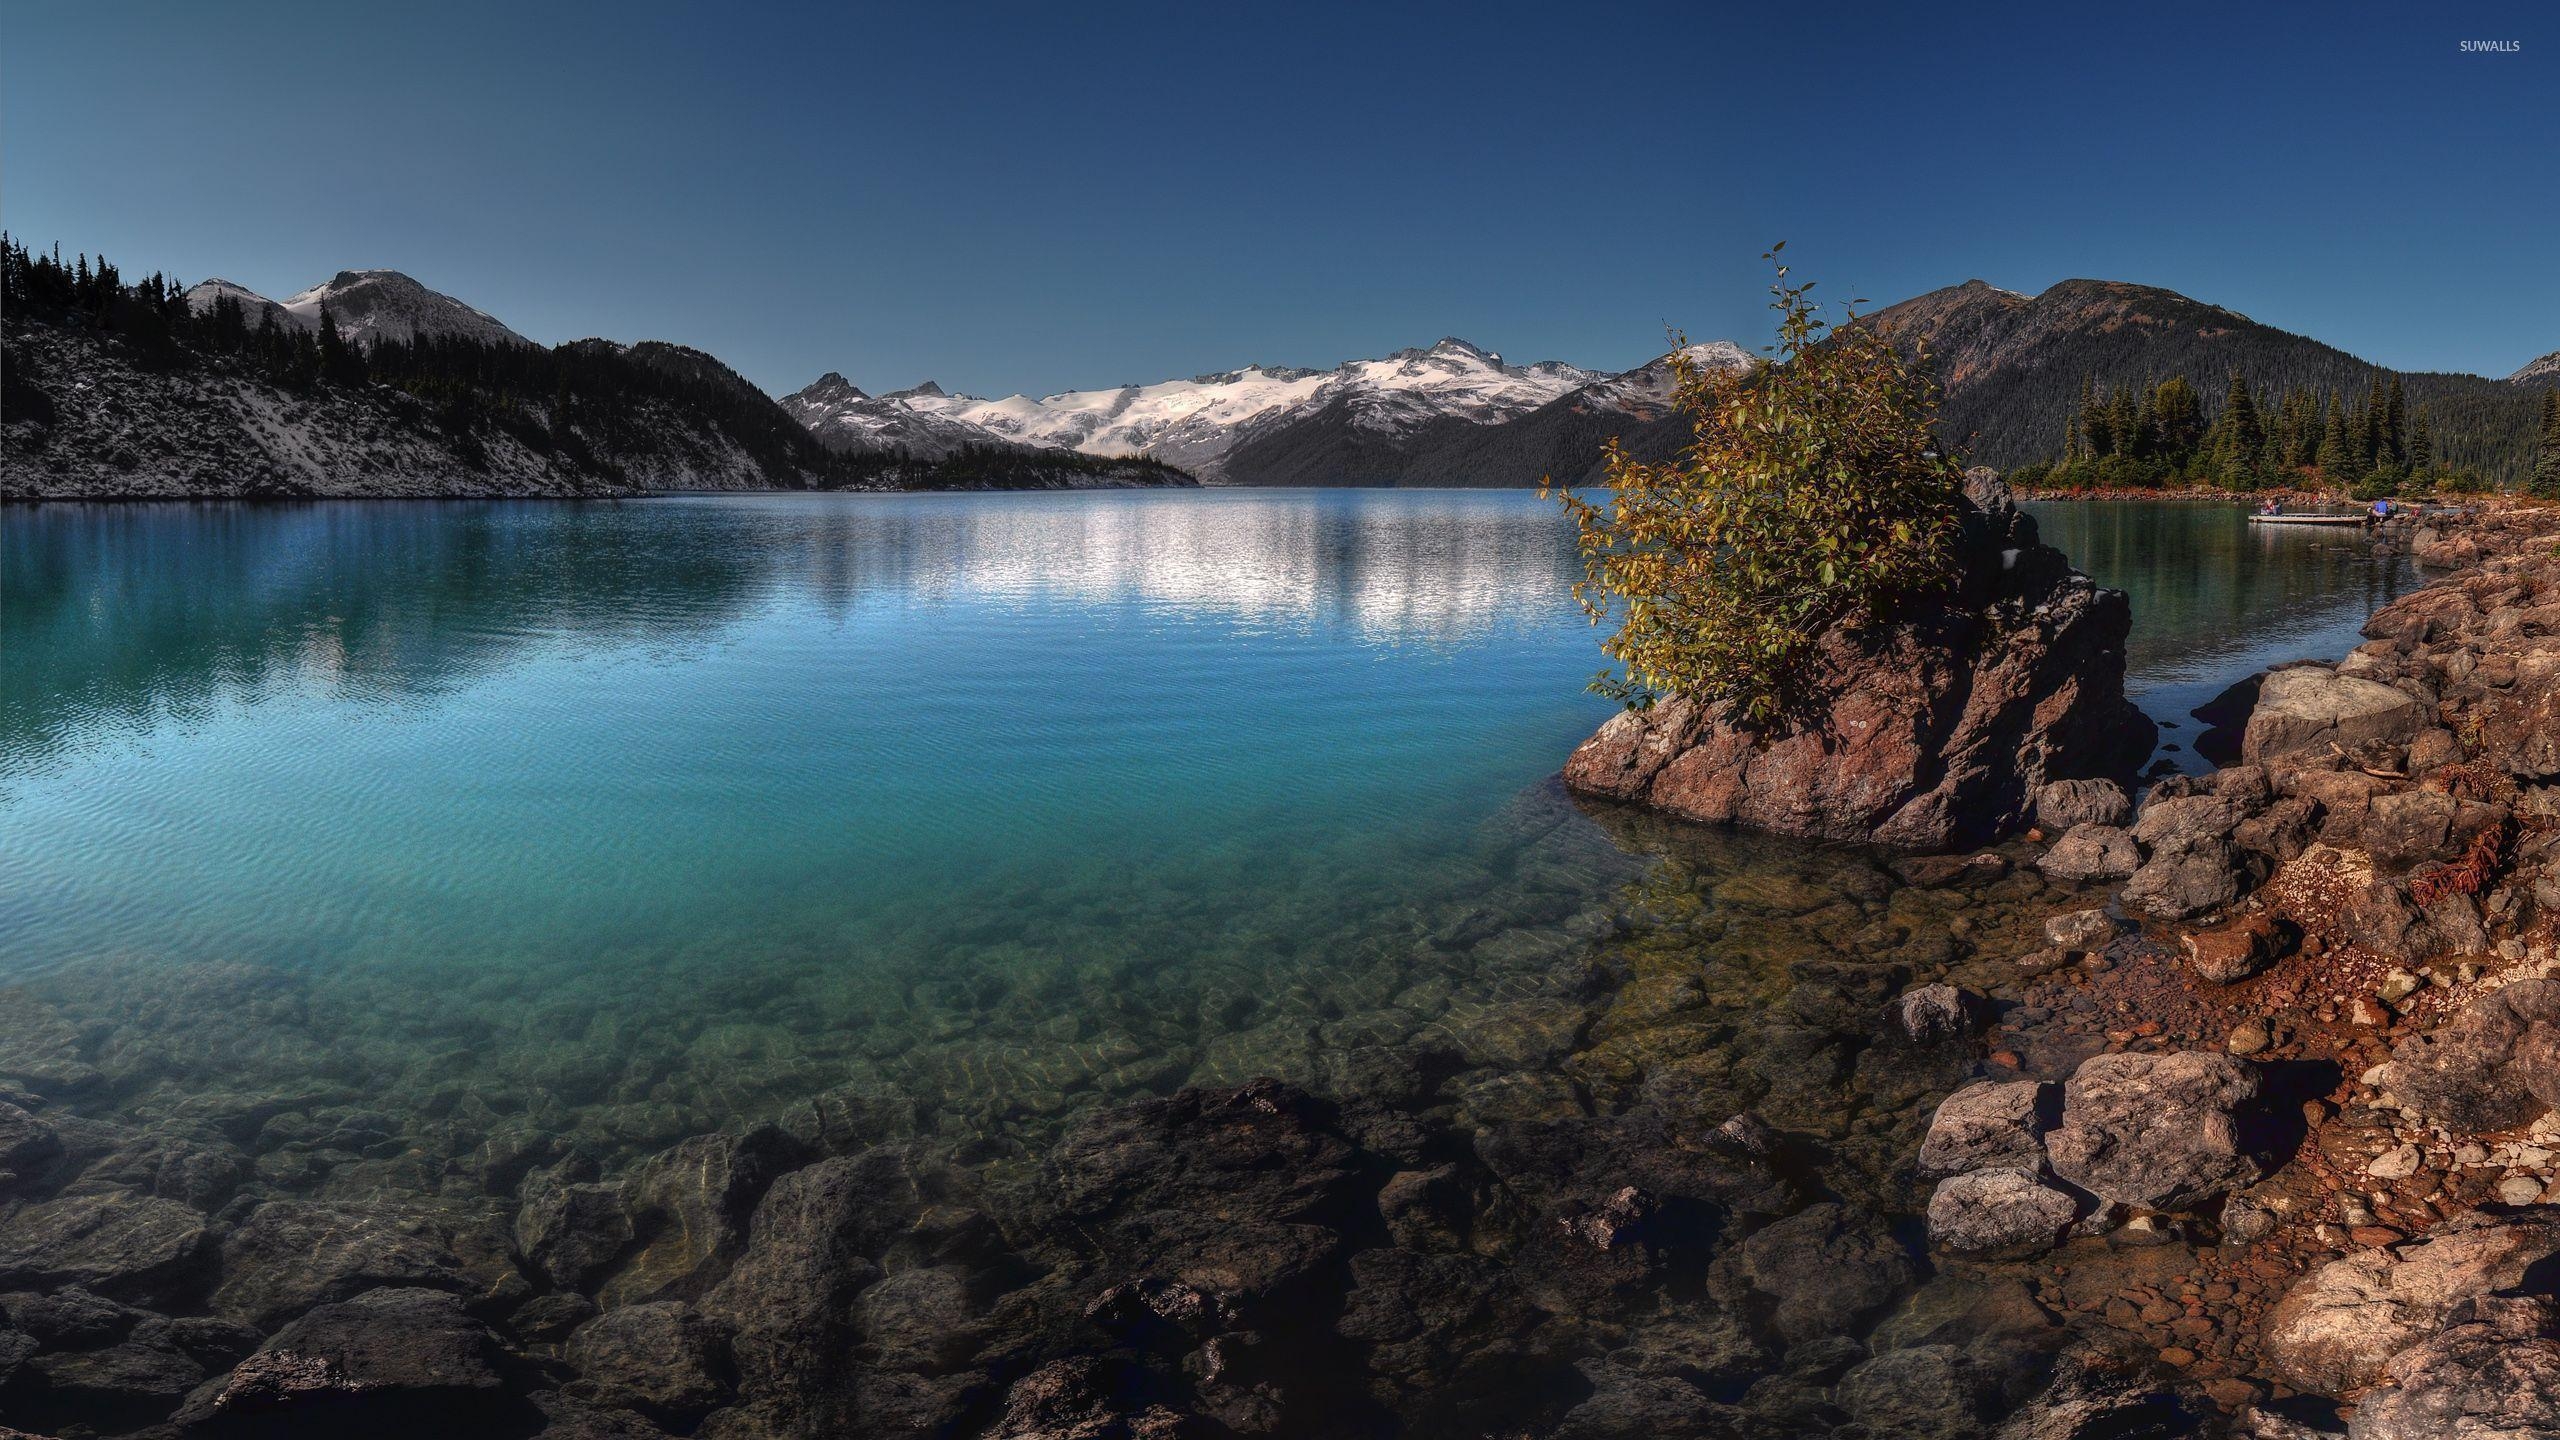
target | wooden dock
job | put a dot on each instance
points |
(2308, 519)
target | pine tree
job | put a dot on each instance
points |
(2095, 438)
(2124, 417)
(2337, 449)
(2422, 445)
(2306, 430)
(2545, 484)
(339, 362)
(2243, 436)
(2177, 419)
(2395, 425)
(2367, 431)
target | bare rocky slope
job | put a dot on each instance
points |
(88, 416)
(87, 420)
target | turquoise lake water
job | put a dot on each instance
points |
(705, 803)
(459, 734)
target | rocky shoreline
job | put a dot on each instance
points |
(1665, 1166)
(2326, 1032)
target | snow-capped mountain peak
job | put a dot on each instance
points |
(833, 386)
(836, 411)
(255, 309)
(1195, 423)
(385, 304)
(1646, 390)
(1452, 378)
(365, 305)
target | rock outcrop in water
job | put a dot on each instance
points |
(1949, 719)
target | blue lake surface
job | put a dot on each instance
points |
(464, 734)
(996, 796)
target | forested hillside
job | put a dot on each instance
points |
(123, 389)
(2017, 370)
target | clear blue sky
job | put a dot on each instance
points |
(1083, 195)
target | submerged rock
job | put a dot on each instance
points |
(389, 1362)
(2095, 1396)
(1950, 718)
(118, 1244)
(288, 1256)
(790, 1297)
(1079, 1398)
(688, 1207)
(1824, 1271)
(571, 1232)
(116, 1387)
(2081, 931)
(1925, 1390)
(660, 1357)
(26, 1143)
(2000, 1212)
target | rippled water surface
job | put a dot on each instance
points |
(814, 741)
(683, 731)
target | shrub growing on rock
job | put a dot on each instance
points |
(1814, 495)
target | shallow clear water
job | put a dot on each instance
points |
(845, 735)
(2216, 598)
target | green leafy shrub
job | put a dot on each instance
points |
(1812, 495)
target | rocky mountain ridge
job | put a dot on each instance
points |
(2012, 367)
(366, 305)
(145, 391)
(1197, 423)
(1453, 413)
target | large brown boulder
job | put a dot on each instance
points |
(2494, 1374)
(2488, 1067)
(2165, 1132)
(2335, 1330)
(1949, 718)
(2311, 707)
